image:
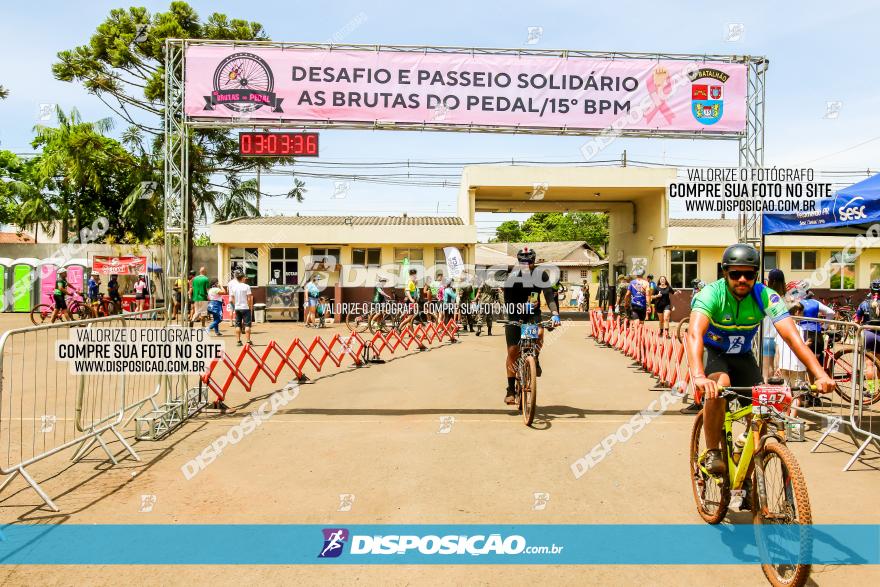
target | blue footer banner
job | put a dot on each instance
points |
(279, 544)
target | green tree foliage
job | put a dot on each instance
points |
(80, 175)
(591, 227)
(4, 93)
(123, 64)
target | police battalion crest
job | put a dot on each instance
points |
(707, 95)
(243, 82)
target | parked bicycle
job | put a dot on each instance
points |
(763, 466)
(840, 364)
(526, 386)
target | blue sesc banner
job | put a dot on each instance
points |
(856, 204)
(256, 544)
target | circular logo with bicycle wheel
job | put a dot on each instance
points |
(243, 83)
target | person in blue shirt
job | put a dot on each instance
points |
(94, 293)
(811, 309)
(637, 295)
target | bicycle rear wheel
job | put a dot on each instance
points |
(357, 322)
(378, 322)
(528, 389)
(42, 313)
(788, 505)
(711, 494)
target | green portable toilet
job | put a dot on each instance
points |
(24, 279)
(6, 299)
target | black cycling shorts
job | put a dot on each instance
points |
(60, 301)
(742, 368)
(816, 342)
(512, 332)
(636, 313)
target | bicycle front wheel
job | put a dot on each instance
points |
(529, 389)
(842, 372)
(41, 313)
(788, 510)
(712, 494)
(681, 330)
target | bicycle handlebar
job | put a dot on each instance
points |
(548, 324)
(731, 391)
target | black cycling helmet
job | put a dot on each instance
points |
(527, 255)
(875, 286)
(741, 254)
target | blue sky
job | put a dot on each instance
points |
(818, 51)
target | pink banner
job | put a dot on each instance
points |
(119, 265)
(317, 85)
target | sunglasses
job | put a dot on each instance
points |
(737, 275)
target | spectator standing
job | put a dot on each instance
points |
(313, 292)
(242, 301)
(199, 286)
(140, 292)
(113, 293)
(215, 306)
(776, 282)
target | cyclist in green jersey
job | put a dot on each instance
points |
(380, 296)
(725, 316)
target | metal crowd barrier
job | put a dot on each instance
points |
(865, 409)
(275, 358)
(45, 408)
(839, 348)
(849, 353)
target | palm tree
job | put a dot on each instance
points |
(239, 200)
(4, 93)
(74, 152)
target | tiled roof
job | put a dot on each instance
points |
(15, 238)
(701, 222)
(343, 220)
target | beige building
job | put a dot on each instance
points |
(283, 250)
(694, 248)
(277, 250)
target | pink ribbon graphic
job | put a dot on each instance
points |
(659, 100)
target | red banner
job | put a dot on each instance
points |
(119, 265)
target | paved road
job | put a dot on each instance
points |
(375, 433)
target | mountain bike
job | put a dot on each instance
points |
(79, 310)
(765, 466)
(526, 386)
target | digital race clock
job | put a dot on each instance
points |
(278, 144)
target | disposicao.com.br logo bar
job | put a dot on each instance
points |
(335, 540)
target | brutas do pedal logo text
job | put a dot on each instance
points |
(243, 82)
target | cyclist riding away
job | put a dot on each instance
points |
(725, 316)
(637, 296)
(380, 296)
(522, 292)
(62, 289)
